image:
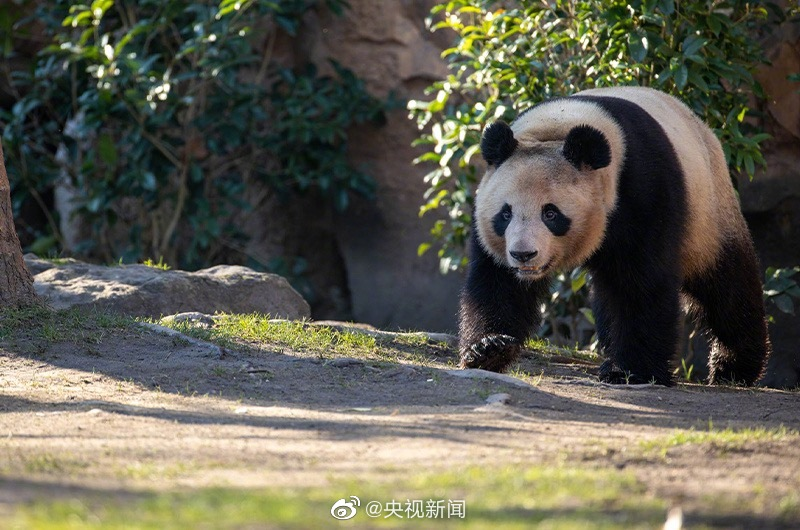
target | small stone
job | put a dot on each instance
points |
(498, 399)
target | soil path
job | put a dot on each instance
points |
(143, 410)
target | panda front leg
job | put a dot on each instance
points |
(637, 327)
(498, 312)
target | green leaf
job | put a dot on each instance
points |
(107, 149)
(667, 6)
(681, 76)
(99, 7)
(149, 181)
(44, 245)
(696, 79)
(468, 154)
(664, 76)
(196, 173)
(341, 200)
(784, 303)
(578, 281)
(589, 314)
(692, 44)
(742, 114)
(95, 204)
(428, 157)
(82, 18)
(637, 45)
(749, 166)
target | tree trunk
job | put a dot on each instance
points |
(16, 282)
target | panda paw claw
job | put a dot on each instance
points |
(493, 352)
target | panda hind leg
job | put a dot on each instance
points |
(729, 301)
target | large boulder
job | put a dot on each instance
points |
(140, 290)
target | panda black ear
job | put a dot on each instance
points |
(498, 143)
(585, 145)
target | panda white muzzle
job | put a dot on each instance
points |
(521, 262)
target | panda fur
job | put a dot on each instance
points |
(631, 184)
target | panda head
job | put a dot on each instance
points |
(539, 206)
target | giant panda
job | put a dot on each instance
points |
(631, 184)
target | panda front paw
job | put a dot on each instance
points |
(493, 352)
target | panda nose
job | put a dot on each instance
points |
(523, 257)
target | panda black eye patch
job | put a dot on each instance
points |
(554, 220)
(501, 220)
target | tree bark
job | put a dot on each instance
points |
(16, 282)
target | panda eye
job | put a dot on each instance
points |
(555, 220)
(501, 220)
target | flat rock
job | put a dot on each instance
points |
(366, 329)
(193, 318)
(36, 264)
(139, 290)
(476, 373)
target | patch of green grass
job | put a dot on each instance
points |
(149, 262)
(789, 506)
(257, 331)
(685, 370)
(160, 264)
(50, 464)
(150, 471)
(506, 498)
(519, 373)
(547, 350)
(725, 440)
(68, 325)
(230, 330)
(537, 343)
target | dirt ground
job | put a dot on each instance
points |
(145, 410)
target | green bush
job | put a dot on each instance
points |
(781, 288)
(506, 59)
(162, 114)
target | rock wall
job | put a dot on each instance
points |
(771, 201)
(781, 179)
(387, 45)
